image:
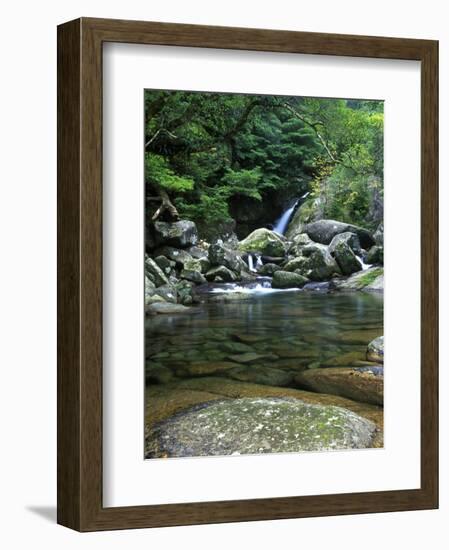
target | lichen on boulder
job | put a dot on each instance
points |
(258, 425)
(264, 241)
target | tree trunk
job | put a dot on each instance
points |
(166, 206)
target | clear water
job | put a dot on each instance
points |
(290, 330)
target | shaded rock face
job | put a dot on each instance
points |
(361, 384)
(179, 256)
(287, 279)
(268, 269)
(375, 255)
(221, 255)
(154, 273)
(323, 231)
(346, 259)
(351, 239)
(221, 274)
(265, 242)
(178, 234)
(316, 263)
(375, 351)
(258, 425)
(379, 234)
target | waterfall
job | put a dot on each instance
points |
(250, 262)
(362, 263)
(281, 224)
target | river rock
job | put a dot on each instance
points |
(265, 242)
(185, 290)
(178, 234)
(375, 351)
(323, 231)
(361, 384)
(351, 239)
(370, 280)
(286, 279)
(154, 272)
(221, 255)
(346, 259)
(375, 255)
(192, 272)
(168, 293)
(251, 357)
(379, 235)
(221, 274)
(316, 263)
(268, 269)
(261, 375)
(150, 287)
(247, 426)
(177, 255)
(197, 252)
(165, 264)
(164, 307)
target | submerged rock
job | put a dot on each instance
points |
(179, 234)
(286, 279)
(375, 351)
(260, 425)
(323, 231)
(264, 241)
(261, 375)
(361, 384)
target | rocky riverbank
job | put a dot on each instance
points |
(214, 362)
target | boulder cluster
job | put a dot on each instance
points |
(177, 261)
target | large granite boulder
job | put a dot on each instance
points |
(371, 279)
(287, 279)
(323, 231)
(264, 241)
(258, 425)
(178, 234)
(221, 274)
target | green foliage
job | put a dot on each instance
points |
(203, 149)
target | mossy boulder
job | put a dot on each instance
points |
(375, 351)
(248, 426)
(363, 384)
(268, 269)
(221, 274)
(349, 238)
(316, 263)
(178, 234)
(168, 293)
(345, 257)
(265, 242)
(286, 279)
(192, 272)
(221, 255)
(177, 255)
(371, 280)
(375, 255)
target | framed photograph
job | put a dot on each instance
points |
(247, 274)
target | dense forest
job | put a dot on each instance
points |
(213, 158)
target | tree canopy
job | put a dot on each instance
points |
(203, 150)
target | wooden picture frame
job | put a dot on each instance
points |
(80, 504)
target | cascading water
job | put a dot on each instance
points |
(250, 262)
(362, 263)
(280, 226)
